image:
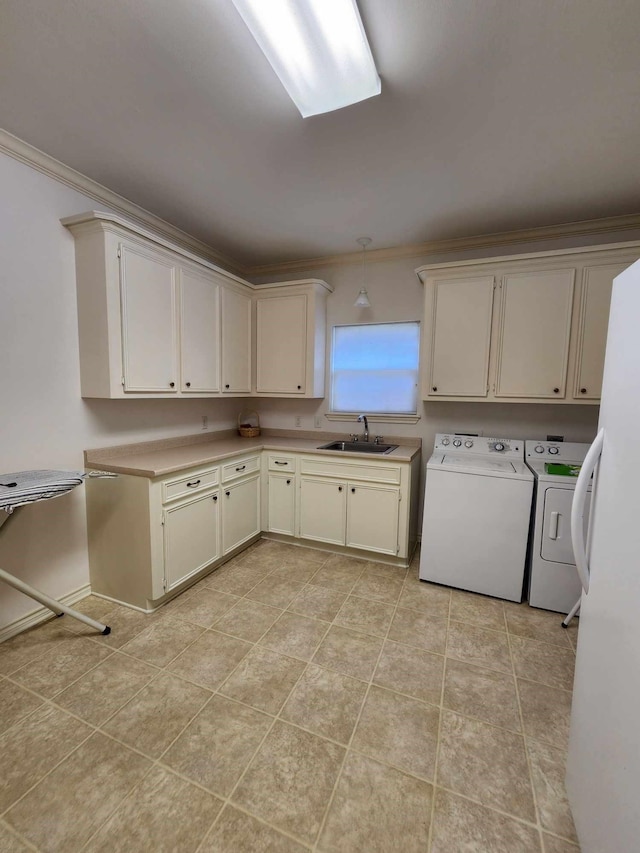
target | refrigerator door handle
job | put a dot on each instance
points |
(577, 509)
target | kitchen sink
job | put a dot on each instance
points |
(358, 447)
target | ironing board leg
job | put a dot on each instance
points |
(57, 607)
(572, 613)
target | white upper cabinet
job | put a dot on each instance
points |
(521, 328)
(459, 323)
(597, 282)
(236, 341)
(291, 328)
(199, 333)
(533, 338)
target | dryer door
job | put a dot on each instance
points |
(556, 530)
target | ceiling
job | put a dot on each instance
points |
(494, 115)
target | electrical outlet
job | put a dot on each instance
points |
(298, 420)
(317, 421)
(205, 422)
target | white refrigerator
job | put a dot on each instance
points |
(603, 767)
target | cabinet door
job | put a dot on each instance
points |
(281, 344)
(199, 333)
(236, 341)
(372, 518)
(191, 538)
(240, 513)
(148, 299)
(282, 504)
(323, 510)
(533, 343)
(460, 333)
(597, 283)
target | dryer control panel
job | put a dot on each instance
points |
(461, 443)
(555, 451)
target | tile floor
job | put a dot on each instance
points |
(291, 701)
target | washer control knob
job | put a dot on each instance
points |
(468, 444)
(539, 448)
(445, 442)
(457, 442)
(498, 446)
(553, 451)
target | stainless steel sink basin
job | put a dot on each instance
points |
(358, 447)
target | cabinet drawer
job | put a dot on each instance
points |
(282, 463)
(240, 468)
(351, 470)
(186, 485)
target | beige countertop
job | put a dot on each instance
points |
(166, 456)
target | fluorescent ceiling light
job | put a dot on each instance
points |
(318, 49)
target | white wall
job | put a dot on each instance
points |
(44, 423)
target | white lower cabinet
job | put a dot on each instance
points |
(282, 504)
(191, 538)
(240, 513)
(372, 518)
(323, 505)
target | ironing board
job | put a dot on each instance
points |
(24, 487)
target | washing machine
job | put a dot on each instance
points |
(477, 508)
(553, 577)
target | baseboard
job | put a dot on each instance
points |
(41, 614)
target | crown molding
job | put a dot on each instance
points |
(36, 159)
(565, 231)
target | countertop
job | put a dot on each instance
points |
(166, 456)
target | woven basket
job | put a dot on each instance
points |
(246, 427)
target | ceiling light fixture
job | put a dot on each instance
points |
(363, 297)
(318, 49)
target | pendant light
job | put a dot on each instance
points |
(363, 297)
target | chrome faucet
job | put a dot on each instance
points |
(365, 434)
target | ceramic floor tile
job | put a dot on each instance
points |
(479, 646)
(525, 621)
(205, 606)
(163, 813)
(480, 610)
(267, 561)
(290, 780)
(426, 597)
(125, 624)
(543, 662)
(157, 714)
(459, 825)
(277, 593)
(485, 763)
(10, 843)
(558, 845)
(412, 671)
(295, 635)
(548, 772)
(384, 571)
(237, 832)
(339, 573)
(349, 652)
(326, 703)
(217, 745)
(210, 659)
(161, 642)
(248, 620)
(264, 679)
(33, 746)
(104, 690)
(299, 570)
(546, 712)
(61, 665)
(399, 730)
(236, 579)
(30, 645)
(15, 704)
(377, 809)
(370, 617)
(419, 629)
(67, 806)
(376, 588)
(318, 602)
(482, 693)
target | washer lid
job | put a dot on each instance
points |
(478, 463)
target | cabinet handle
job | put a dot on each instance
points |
(188, 384)
(288, 482)
(280, 463)
(353, 491)
(227, 493)
(299, 387)
(193, 483)
(583, 390)
(226, 386)
(241, 468)
(339, 488)
(556, 390)
(434, 388)
(215, 497)
(172, 385)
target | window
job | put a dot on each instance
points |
(374, 368)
